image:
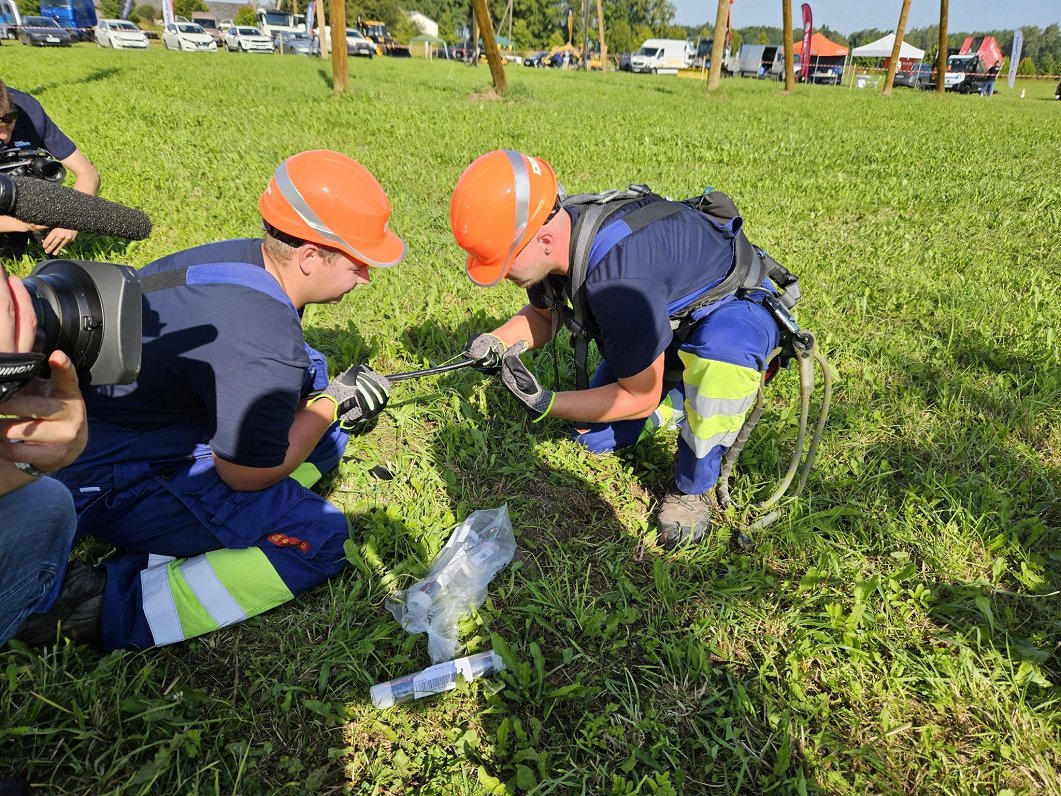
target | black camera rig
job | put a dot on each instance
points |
(31, 162)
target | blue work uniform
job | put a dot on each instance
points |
(634, 283)
(33, 129)
(225, 367)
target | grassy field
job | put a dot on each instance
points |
(896, 632)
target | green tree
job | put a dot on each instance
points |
(245, 15)
(735, 41)
(403, 30)
(145, 12)
(108, 9)
(521, 35)
(1026, 66)
(185, 8)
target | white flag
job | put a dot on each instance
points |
(1014, 57)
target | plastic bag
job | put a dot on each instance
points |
(476, 551)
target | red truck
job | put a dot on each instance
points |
(977, 62)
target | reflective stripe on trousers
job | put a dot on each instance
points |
(187, 597)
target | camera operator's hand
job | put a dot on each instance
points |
(57, 239)
(48, 428)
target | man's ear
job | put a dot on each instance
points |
(545, 241)
(309, 256)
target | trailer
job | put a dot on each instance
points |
(757, 60)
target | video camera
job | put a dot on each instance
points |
(92, 311)
(31, 162)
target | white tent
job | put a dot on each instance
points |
(882, 48)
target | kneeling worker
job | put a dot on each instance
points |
(199, 470)
(506, 214)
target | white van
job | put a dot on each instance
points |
(663, 56)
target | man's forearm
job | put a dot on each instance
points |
(606, 404)
(528, 324)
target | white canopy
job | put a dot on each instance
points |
(882, 48)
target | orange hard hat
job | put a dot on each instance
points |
(330, 199)
(500, 201)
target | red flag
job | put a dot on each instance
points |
(804, 55)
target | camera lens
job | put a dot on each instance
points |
(47, 169)
(69, 315)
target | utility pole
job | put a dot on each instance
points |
(790, 61)
(718, 45)
(321, 28)
(585, 35)
(337, 12)
(603, 46)
(493, 57)
(941, 56)
(900, 32)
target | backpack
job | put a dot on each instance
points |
(751, 265)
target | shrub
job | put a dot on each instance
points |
(246, 16)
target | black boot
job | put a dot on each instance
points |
(77, 611)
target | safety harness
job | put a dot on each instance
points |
(751, 268)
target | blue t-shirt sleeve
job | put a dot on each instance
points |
(37, 129)
(255, 408)
(631, 315)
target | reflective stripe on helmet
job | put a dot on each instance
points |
(521, 193)
(299, 205)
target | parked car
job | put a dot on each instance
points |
(121, 34)
(537, 60)
(357, 43)
(43, 32)
(208, 22)
(914, 77)
(187, 36)
(245, 39)
(289, 42)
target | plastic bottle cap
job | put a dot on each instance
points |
(381, 696)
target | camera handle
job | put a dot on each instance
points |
(16, 370)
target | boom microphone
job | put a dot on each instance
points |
(37, 201)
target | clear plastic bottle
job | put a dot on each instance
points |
(464, 565)
(435, 679)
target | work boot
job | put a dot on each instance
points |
(682, 518)
(77, 611)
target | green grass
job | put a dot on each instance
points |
(896, 632)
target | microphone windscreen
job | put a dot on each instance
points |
(48, 204)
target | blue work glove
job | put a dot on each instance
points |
(359, 394)
(487, 351)
(525, 385)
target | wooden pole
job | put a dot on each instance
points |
(941, 57)
(493, 57)
(337, 12)
(321, 28)
(896, 47)
(585, 36)
(600, 30)
(719, 44)
(790, 61)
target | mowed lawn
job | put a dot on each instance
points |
(895, 632)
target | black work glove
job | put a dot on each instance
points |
(486, 350)
(524, 385)
(359, 394)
